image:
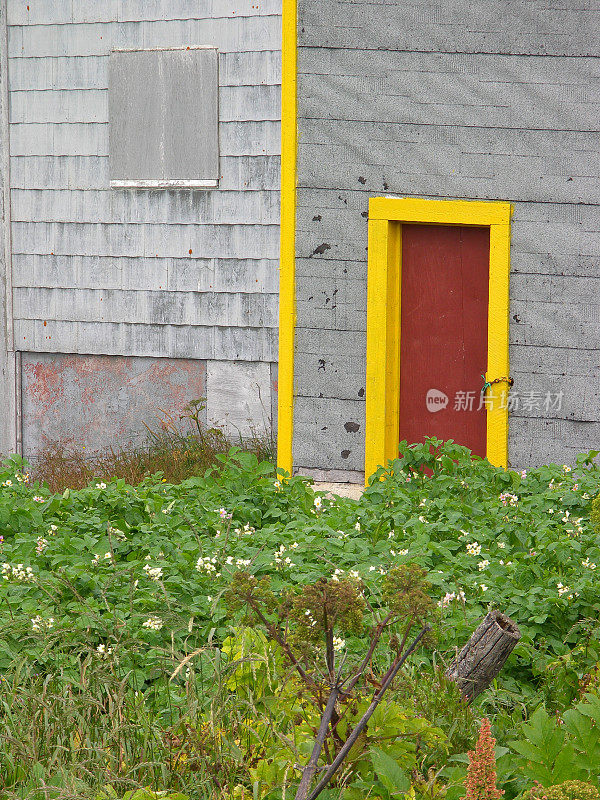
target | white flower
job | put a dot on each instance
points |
(154, 573)
(501, 545)
(588, 563)
(95, 559)
(566, 468)
(7, 483)
(508, 499)
(153, 623)
(423, 502)
(107, 556)
(40, 624)
(357, 526)
(450, 596)
(585, 496)
(245, 562)
(277, 484)
(318, 503)
(551, 511)
(294, 545)
(42, 544)
(206, 564)
(19, 572)
(104, 651)
(523, 473)
(391, 534)
(338, 644)
(336, 575)
(483, 564)
(354, 573)
(474, 549)
(404, 552)
(38, 499)
(101, 485)
(446, 599)
(224, 514)
(422, 519)
(52, 530)
(484, 588)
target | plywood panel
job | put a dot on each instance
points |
(110, 398)
(163, 115)
(239, 397)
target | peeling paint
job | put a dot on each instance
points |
(101, 401)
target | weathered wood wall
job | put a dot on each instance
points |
(494, 101)
(169, 274)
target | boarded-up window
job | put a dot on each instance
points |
(163, 118)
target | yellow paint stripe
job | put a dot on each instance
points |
(498, 362)
(287, 252)
(383, 344)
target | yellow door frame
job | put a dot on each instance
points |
(386, 216)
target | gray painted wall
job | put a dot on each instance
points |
(492, 101)
(8, 394)
(162, 274)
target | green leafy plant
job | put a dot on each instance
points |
(569, 790)
(113, 624)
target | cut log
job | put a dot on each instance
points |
(483, 656)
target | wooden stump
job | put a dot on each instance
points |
(483, 656)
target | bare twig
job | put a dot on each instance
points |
(310, 769)
(337, 762)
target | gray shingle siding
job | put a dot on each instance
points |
(496, 101)
(163, 274)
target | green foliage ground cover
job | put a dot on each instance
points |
(123, 667)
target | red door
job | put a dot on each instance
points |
(443, 336)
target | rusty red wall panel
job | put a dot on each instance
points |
(443, 344)
(101, 401)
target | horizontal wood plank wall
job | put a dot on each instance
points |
(492, 101)
(148, 273)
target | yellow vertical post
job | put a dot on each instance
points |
(498, 363)
(383, 343)
(287, 252)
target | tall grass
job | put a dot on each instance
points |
(178, 448)
(62, 738)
